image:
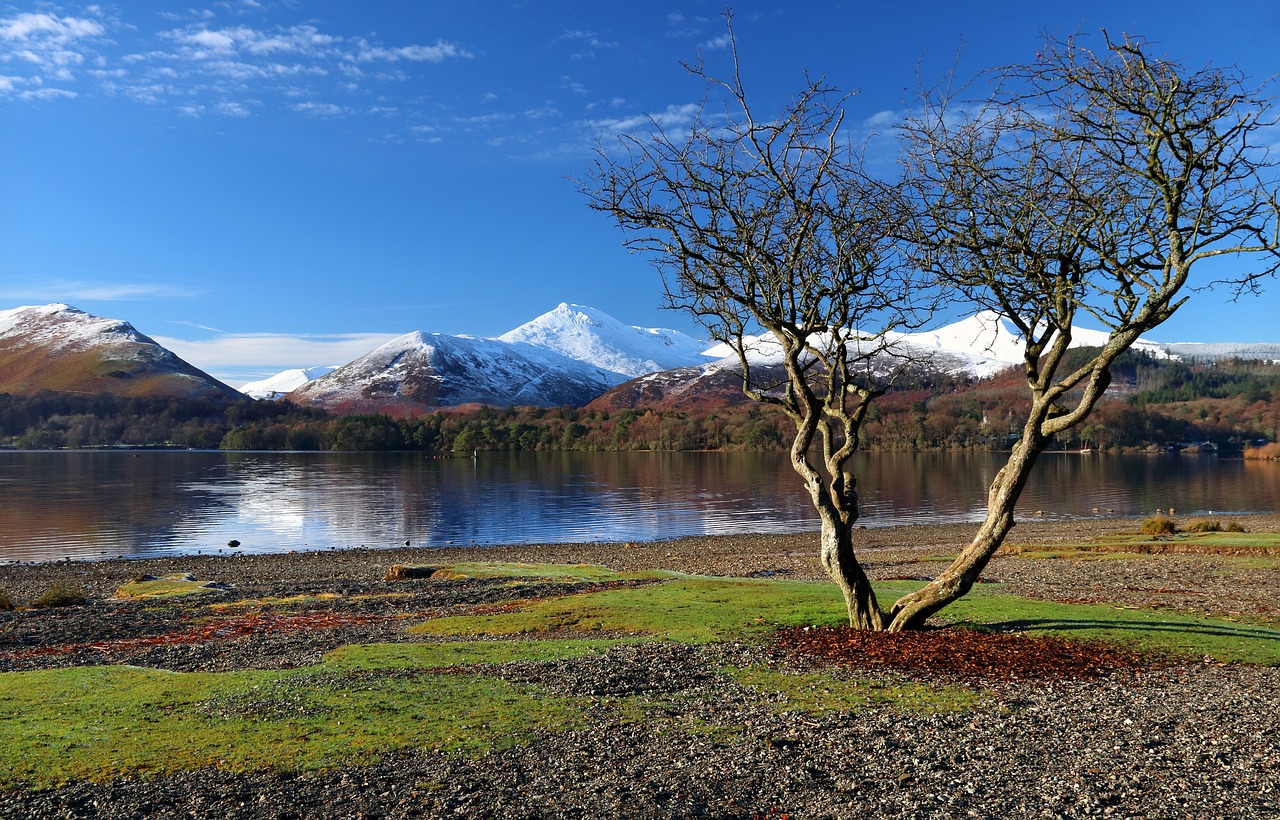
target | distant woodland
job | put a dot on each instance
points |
(1153, 404)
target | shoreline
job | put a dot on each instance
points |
(660, 728)
(740, 554)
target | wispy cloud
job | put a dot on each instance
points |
(72, 292)
(680, 27)
(716, 43)
(196, 325)
(588, 40)
(45, 50)
(204, 66)
(674, 117)
(240, 357)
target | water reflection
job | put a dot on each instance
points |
(95, 504)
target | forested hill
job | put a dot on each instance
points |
(1153, 403)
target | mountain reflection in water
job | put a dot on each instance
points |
(92, 505)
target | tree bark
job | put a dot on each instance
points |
(912, 610)
(840, 562)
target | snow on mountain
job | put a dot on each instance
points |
(286, 381)
(418, 372)
(58, 347)
(979, 346)
(594, 337)
(1209, 351)
(986, 343)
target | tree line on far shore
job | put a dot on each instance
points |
(1158, 403)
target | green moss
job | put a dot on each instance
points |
(544, 572)
(169, 586)
(457, 653)
(1140, 628)
(689, 609)
(817, 693)
(1208, 541)
(365, 701)
(62, 594)
(1080, 553)
(103, 722)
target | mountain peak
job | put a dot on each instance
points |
(62, 348)
(595, 337)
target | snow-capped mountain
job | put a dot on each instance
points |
(58, 347)
(1208, 351)
(986, 343)
(284, 382)
(594, 337)
(418, 372)
(977, 346)
(568, 355)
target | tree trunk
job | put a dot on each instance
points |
(912, 610)
(841, 564)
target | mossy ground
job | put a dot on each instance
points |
(364, 701)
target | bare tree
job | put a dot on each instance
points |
(770, 227)
(1089, 184)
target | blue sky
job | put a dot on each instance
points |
(263, 184)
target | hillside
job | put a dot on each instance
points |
(57, 347)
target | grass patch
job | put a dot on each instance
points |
(97, 723)
(1213, 525)
(1082, 552)
(6, 603)
(169, 586)
(543, 572)
(62, 594)
(384, 656)
(817, 693)
(364, 701)
(294, 600)
(1206, 542)
(1159, 525)
(704, 610)
(690, 609)
(1144, 630)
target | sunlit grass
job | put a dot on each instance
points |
(365, 701)
(168, 586)
(818, 693)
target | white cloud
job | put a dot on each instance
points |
(74, 291)
(49, 45)
(590, 38)
(315, 109)
(719, 42)
(48, 27)
(437, 53)
(248, 356)
(246, 66)
(673, 117)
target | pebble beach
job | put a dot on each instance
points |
(1191, 738)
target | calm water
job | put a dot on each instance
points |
(88, 505)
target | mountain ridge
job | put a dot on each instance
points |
(572, 355)
(62, 348)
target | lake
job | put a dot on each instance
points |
(93, 505)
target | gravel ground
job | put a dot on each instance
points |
(1192, 740)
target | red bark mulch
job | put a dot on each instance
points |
(963, 653)
(218, 629)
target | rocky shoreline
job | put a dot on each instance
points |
(1191, 739)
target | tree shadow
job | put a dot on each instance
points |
(1082, 624)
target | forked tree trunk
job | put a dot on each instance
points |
(840, 562)
(912, 610)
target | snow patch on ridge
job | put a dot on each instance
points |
(594, 337)
(285, 381)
